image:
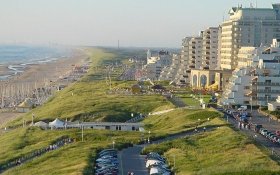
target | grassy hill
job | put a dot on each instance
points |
(89, 100)
(178, 120)
(74, 158)
(222, 151)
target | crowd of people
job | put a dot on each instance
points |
(20, 160)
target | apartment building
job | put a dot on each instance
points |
(169, 72)
(191, 58)
(257, 83)
(247, 27)
(156, 61)
(210, 49)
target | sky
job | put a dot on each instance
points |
(135, 23)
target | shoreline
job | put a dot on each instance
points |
(38, 76)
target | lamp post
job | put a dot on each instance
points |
(113, 144)
(251, 104)
(82, 133)
(32, 119)
(149, 137)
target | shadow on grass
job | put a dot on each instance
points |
(186, 133)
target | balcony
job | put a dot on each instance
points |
(267, 84)
(268, 91)
(254, 78)
(206, 67)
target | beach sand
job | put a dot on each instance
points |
(42, 74)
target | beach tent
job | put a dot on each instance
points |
(25, 106)
(56, 124)
(41, 124)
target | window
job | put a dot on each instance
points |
(268, 88)
(268, 81)
(246, 87)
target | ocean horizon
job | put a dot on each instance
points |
(17, 57)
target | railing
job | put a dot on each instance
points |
(267, 84)
(267, 91)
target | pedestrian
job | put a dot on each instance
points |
(131, 173)
(128, 173)
(204, 129)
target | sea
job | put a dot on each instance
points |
(17, 57)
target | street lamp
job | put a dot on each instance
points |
(149, 137)
(113, 144)
(32, 119)
(82, 133)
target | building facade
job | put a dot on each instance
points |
(156, 61)
(247, 27)
(258, 83)
(210, 49)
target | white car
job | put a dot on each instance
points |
(157, 171)
(152, 162)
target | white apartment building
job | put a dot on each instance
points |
(191, 58)
(210, 49)
(156, 61)
(181, 76)
(247, 27)
(169, 72)
(258, 82)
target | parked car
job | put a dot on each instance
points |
(107, 162)
(242, 108)
(277, 132)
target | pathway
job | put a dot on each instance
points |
(131, 160)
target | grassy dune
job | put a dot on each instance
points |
(88, 99)
(75, 158)
(178, 120)
(222, 151)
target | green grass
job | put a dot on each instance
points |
(75, 158)
(178, 120)
(188, 100)
(222, 151)
(88, 99)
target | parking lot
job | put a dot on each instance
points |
(107, 162)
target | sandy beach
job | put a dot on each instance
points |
(41, 74)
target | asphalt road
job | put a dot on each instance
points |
(131, 160)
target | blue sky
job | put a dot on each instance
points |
(147, 23)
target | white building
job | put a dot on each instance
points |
(191, 58)
(247, 27)
(210, 49)
(156, 61)
(274, 106)
(169, 72)
(257, 83)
